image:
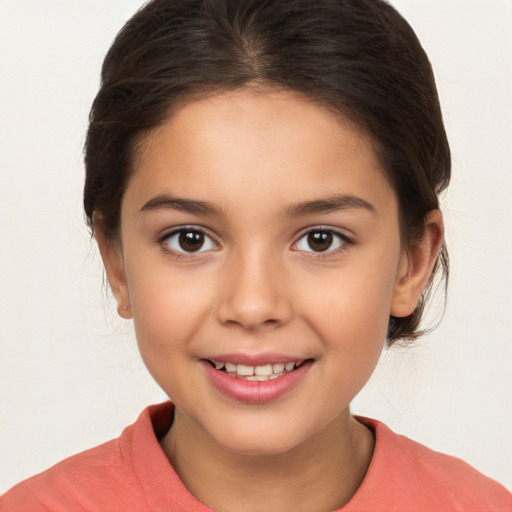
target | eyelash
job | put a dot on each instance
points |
(165, 241)
(343, 242)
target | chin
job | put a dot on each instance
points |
(261, 439)
(259, 447)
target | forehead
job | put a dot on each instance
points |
(273, 144)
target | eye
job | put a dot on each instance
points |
(320, 240)
(189, 240)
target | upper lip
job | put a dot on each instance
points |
(255, 359)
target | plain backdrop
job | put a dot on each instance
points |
(70, 373)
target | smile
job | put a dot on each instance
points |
(258, 383)
(258, 373)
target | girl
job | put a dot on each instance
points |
(262, 181)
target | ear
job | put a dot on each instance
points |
(112, 256)
(416, 266)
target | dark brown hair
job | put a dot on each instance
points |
(359, 58)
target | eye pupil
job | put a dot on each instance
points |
(320, 240)
(191, 241)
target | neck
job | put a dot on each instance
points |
(321, 474)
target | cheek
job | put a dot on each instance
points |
(168, 310)
(353, 303)
(350, 312)
(167, 307)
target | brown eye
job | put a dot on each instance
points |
(321, 240)
(189, 240)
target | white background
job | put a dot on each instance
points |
(70, 374)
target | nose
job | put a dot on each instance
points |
(253, 293)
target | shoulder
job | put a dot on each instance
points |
(407, 475)
(105, 477)
(82, 478)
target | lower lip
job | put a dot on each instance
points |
(255, 392)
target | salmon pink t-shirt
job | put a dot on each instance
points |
(132, 474)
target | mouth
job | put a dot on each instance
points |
(260, 373)
(256, 379)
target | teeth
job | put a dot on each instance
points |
(230, 367)
(263, 370)
(257, 373)
(242, 369)
(278, 368)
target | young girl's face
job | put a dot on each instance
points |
(259, 230)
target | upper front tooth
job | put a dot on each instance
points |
(261, 370)
(277, 368)
(242, 369)
(265, 369)
(230, 367)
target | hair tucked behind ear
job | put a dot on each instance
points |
(360, 58)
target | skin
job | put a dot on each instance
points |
(256, 286)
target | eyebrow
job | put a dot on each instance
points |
(329, 205)
(170, 202)
(196, 207)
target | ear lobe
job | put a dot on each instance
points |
(112, 257)
(416, 266)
